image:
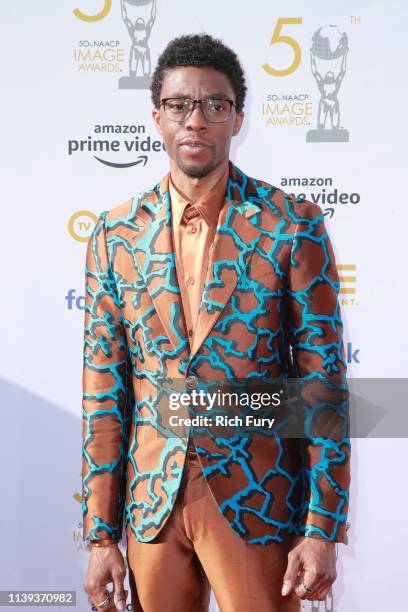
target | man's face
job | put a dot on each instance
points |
(212, 140)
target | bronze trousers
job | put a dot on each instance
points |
(197, 551)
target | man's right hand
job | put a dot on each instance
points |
(106, 565)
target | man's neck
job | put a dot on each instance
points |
(194, 188)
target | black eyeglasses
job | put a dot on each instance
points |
(215, 110)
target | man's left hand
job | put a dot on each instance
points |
(311, 568)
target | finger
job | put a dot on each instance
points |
(318, 593)
(291, 574)
(305, 585)
(321, 593)
(319, 580)
(322, 589)
(98, 598)
(313, 578)
(119, 590)
(119, 603)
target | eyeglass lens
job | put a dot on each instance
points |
(178, 109)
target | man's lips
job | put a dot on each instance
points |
(193, 143)
(194, 147)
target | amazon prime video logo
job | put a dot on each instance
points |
(117, 145)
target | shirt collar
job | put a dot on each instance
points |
(208, 205)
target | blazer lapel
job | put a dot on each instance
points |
(235, 240)
(155, 254)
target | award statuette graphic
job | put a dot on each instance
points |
(139, 17)
(328, 57)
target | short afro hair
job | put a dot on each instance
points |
(200, 50)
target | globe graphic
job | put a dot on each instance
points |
(138, 2)
(329, 43)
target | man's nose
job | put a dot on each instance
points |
(196, 120)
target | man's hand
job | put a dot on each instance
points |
(311, 564)
(106, 565)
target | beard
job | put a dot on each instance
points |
(195, 170)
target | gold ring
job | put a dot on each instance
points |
(106, 602)
(307, 589)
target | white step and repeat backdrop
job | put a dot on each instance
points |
(77, 139)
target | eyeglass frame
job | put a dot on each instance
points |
(164, 100)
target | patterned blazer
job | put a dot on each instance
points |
(269, 309)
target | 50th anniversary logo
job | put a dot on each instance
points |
(138, 16)
(327, 57)
(106, 142)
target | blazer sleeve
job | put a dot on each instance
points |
(316, 338)
(105, 396)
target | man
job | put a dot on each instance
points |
(210, 275)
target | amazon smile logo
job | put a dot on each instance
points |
(113, 144)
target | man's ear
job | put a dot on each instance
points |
(157, 120)
(239, 117)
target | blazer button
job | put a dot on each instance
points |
(191, 382)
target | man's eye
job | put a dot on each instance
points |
(177, 106)
(217, 105)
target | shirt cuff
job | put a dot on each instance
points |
(102, 543)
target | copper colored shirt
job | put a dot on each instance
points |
(194, 225)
